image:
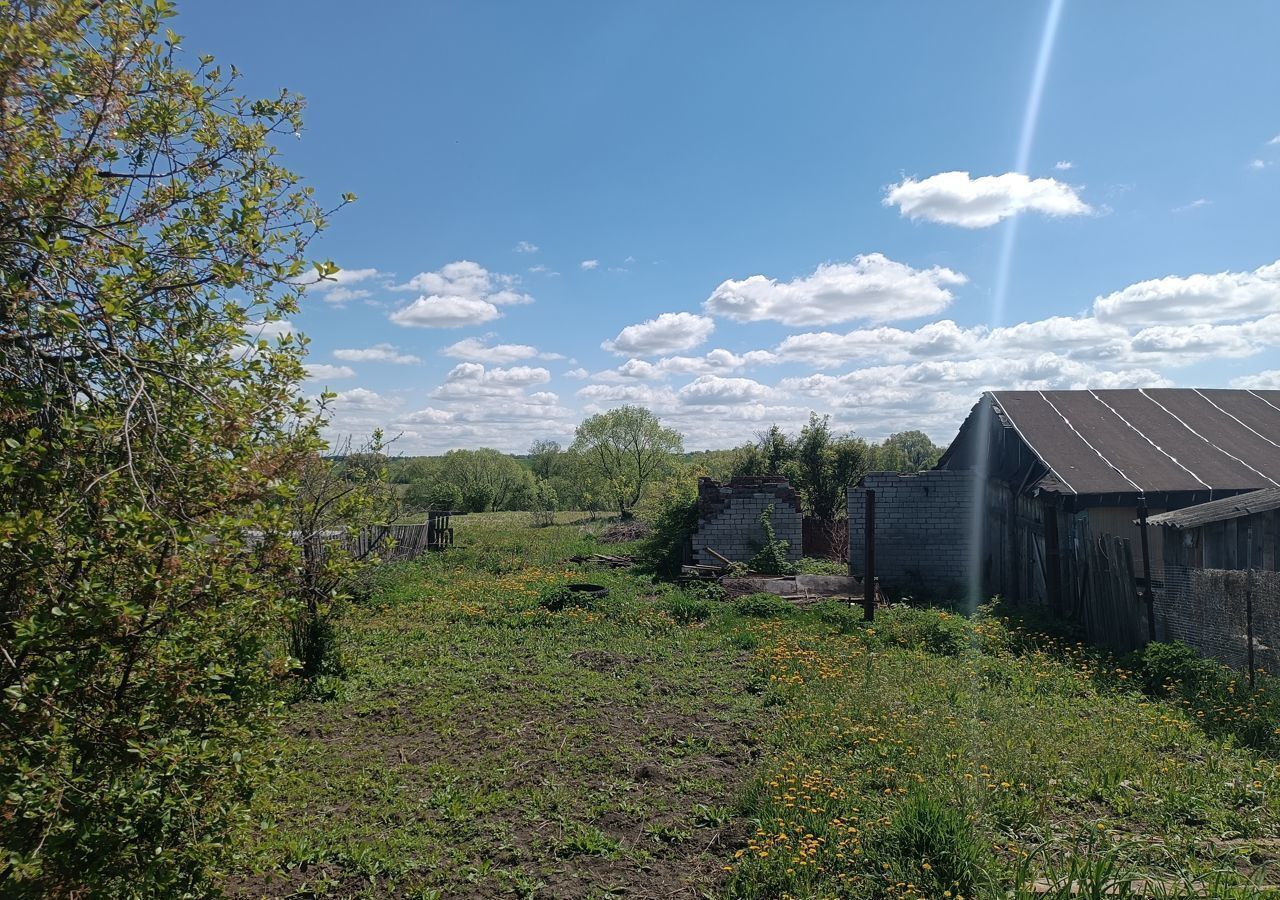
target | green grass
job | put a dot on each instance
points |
(665, 743)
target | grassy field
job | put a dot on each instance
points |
(662, 744)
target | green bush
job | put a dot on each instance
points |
(763, 606)
(1219, 696)
(555, 599)
(931, 630)
(932, 843)
(771, 558)
(152, 415)
(844, 618)
(673, 513)
(687, 610)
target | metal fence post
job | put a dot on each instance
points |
(869, 566)
(1146, 568)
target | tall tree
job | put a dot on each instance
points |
(907, 451)
(628, 447)
(145, 226)
(487, 479)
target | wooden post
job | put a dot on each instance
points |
(1053, 559)
(1248, 625)
(869, 564)
(1146, 568)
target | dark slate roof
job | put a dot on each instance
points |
(1220, 510)
(1149, 440)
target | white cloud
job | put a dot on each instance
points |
(590, 264)
(445, 312)
(460, 293)
(526, 247)
(1262, 381)
(715, 390)
(319, 371)
(1194, 204)
(362, 400)
(388, 353)
(1224, 296)
(476, 349)
(954, 198)
(668, 333)
(871, 287)
(337, 288)
(428, 416)
(470, 380)
(576, 373)
(540, 269)
(1064, 165)
(268, 331)
(1258, 164)
(1274, 142)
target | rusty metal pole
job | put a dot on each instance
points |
(869, 560)
(1146, 568)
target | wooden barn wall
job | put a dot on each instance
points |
(1248, 542)
(1083, 566)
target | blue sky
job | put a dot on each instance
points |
(737, 212)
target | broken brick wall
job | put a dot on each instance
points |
(729, 518)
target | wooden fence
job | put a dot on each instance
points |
(1101, 592)
(388, 542)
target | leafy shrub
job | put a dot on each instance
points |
(1167, 668)
(560, 597)
(543, 503)
(763, 606)
(1219, 696)
(932, 843)
(686, 610)
(931, 630)
(674, 515)
(812, 566)
(840, 616)
(150, 426)
(771, 558)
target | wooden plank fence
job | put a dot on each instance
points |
(389, 542)
(1102, 593)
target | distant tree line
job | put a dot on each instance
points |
(618, 457)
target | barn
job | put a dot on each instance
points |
(1036, 498)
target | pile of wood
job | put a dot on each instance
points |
(624, 532)
(604, 561)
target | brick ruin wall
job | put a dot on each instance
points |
(922, 529)
(729, 518)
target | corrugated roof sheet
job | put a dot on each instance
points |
(1258, 501)
(1149, 440)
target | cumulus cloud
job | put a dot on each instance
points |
(460, 293)
(1262, 381)
(445, 312)
(387, 353)
(337, 288)
(590, 264)
(470, 380)
(477, 349)
(577, 373)
(362, 400)
(716, 390)
(319, 371)
(668, 333)
(1064, 165)
(871, 287)
(954, 198)
(1224, 296)
(526, 247)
